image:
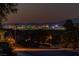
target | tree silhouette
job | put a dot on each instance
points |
(71, 34)
(70, 37)
(69, 24)
(5, 9)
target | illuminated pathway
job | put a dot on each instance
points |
(44, 49)
(20, 48)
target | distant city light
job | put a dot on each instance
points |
(56, 25)
(34, 27)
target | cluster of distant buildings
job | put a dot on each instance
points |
(33, 26)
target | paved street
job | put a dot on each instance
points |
(43, 49)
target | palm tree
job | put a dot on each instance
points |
(6, 9)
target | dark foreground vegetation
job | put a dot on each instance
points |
(39, 38)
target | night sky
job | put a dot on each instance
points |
(44, 12)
